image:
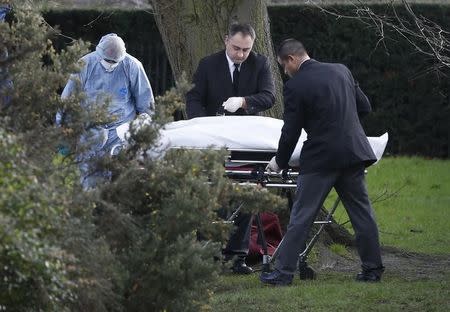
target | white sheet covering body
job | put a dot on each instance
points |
(239, 132)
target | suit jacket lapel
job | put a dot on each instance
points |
(244, 76)
(224, 71)
(223, 76)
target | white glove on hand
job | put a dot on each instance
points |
(141, 121)
(273, 166)
(233, 104)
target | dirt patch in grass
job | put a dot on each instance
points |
(407, 265)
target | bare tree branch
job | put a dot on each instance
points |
(425, 36)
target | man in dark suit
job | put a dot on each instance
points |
(324, 100)
(234, 81)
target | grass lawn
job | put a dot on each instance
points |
(332, 292)
(413, 205)
(411, 198)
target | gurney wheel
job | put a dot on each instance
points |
(306, 272)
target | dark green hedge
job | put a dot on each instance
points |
(409, 101)
(137, 28)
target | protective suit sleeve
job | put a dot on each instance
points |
(141, 89)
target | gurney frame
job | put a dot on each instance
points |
(247, 166)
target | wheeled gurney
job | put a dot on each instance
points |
(251, 141)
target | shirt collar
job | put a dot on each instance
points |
(306, 63)
(230, 63)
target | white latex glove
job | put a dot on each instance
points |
(233, 104)
(273, 166)
(141, 121)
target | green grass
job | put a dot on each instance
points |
(339, 250)
(332, 292)
(413, 210)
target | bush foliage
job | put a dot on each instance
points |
(130, 244)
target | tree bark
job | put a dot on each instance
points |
(193, 29)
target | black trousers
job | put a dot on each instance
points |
(312, 189)
(239, 239)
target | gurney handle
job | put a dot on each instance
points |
(285, 174)
(268, 185)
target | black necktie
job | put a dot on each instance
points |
(236, 79)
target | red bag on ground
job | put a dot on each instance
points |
(272, 232)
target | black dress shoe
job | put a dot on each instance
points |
(276, 278)
(239, 267)
(305, 272)
(367, 276)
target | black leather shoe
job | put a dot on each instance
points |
(276, 278)
(239, 267)
(367, 276)
(305, 272)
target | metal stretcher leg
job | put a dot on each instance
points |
(306, 272)
(309, 246)
(262, 239)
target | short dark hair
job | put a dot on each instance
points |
(291, 47)
(245, 29)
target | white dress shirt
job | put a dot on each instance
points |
(231, 66)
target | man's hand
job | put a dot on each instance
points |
(233, 104)
(273, 166)
(141, 121)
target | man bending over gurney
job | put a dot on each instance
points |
(325, 100)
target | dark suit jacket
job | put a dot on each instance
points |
(325, 100)
(213, 86)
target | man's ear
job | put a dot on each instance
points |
(225, 39)
(291, 58)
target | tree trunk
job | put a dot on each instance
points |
(192, 29)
